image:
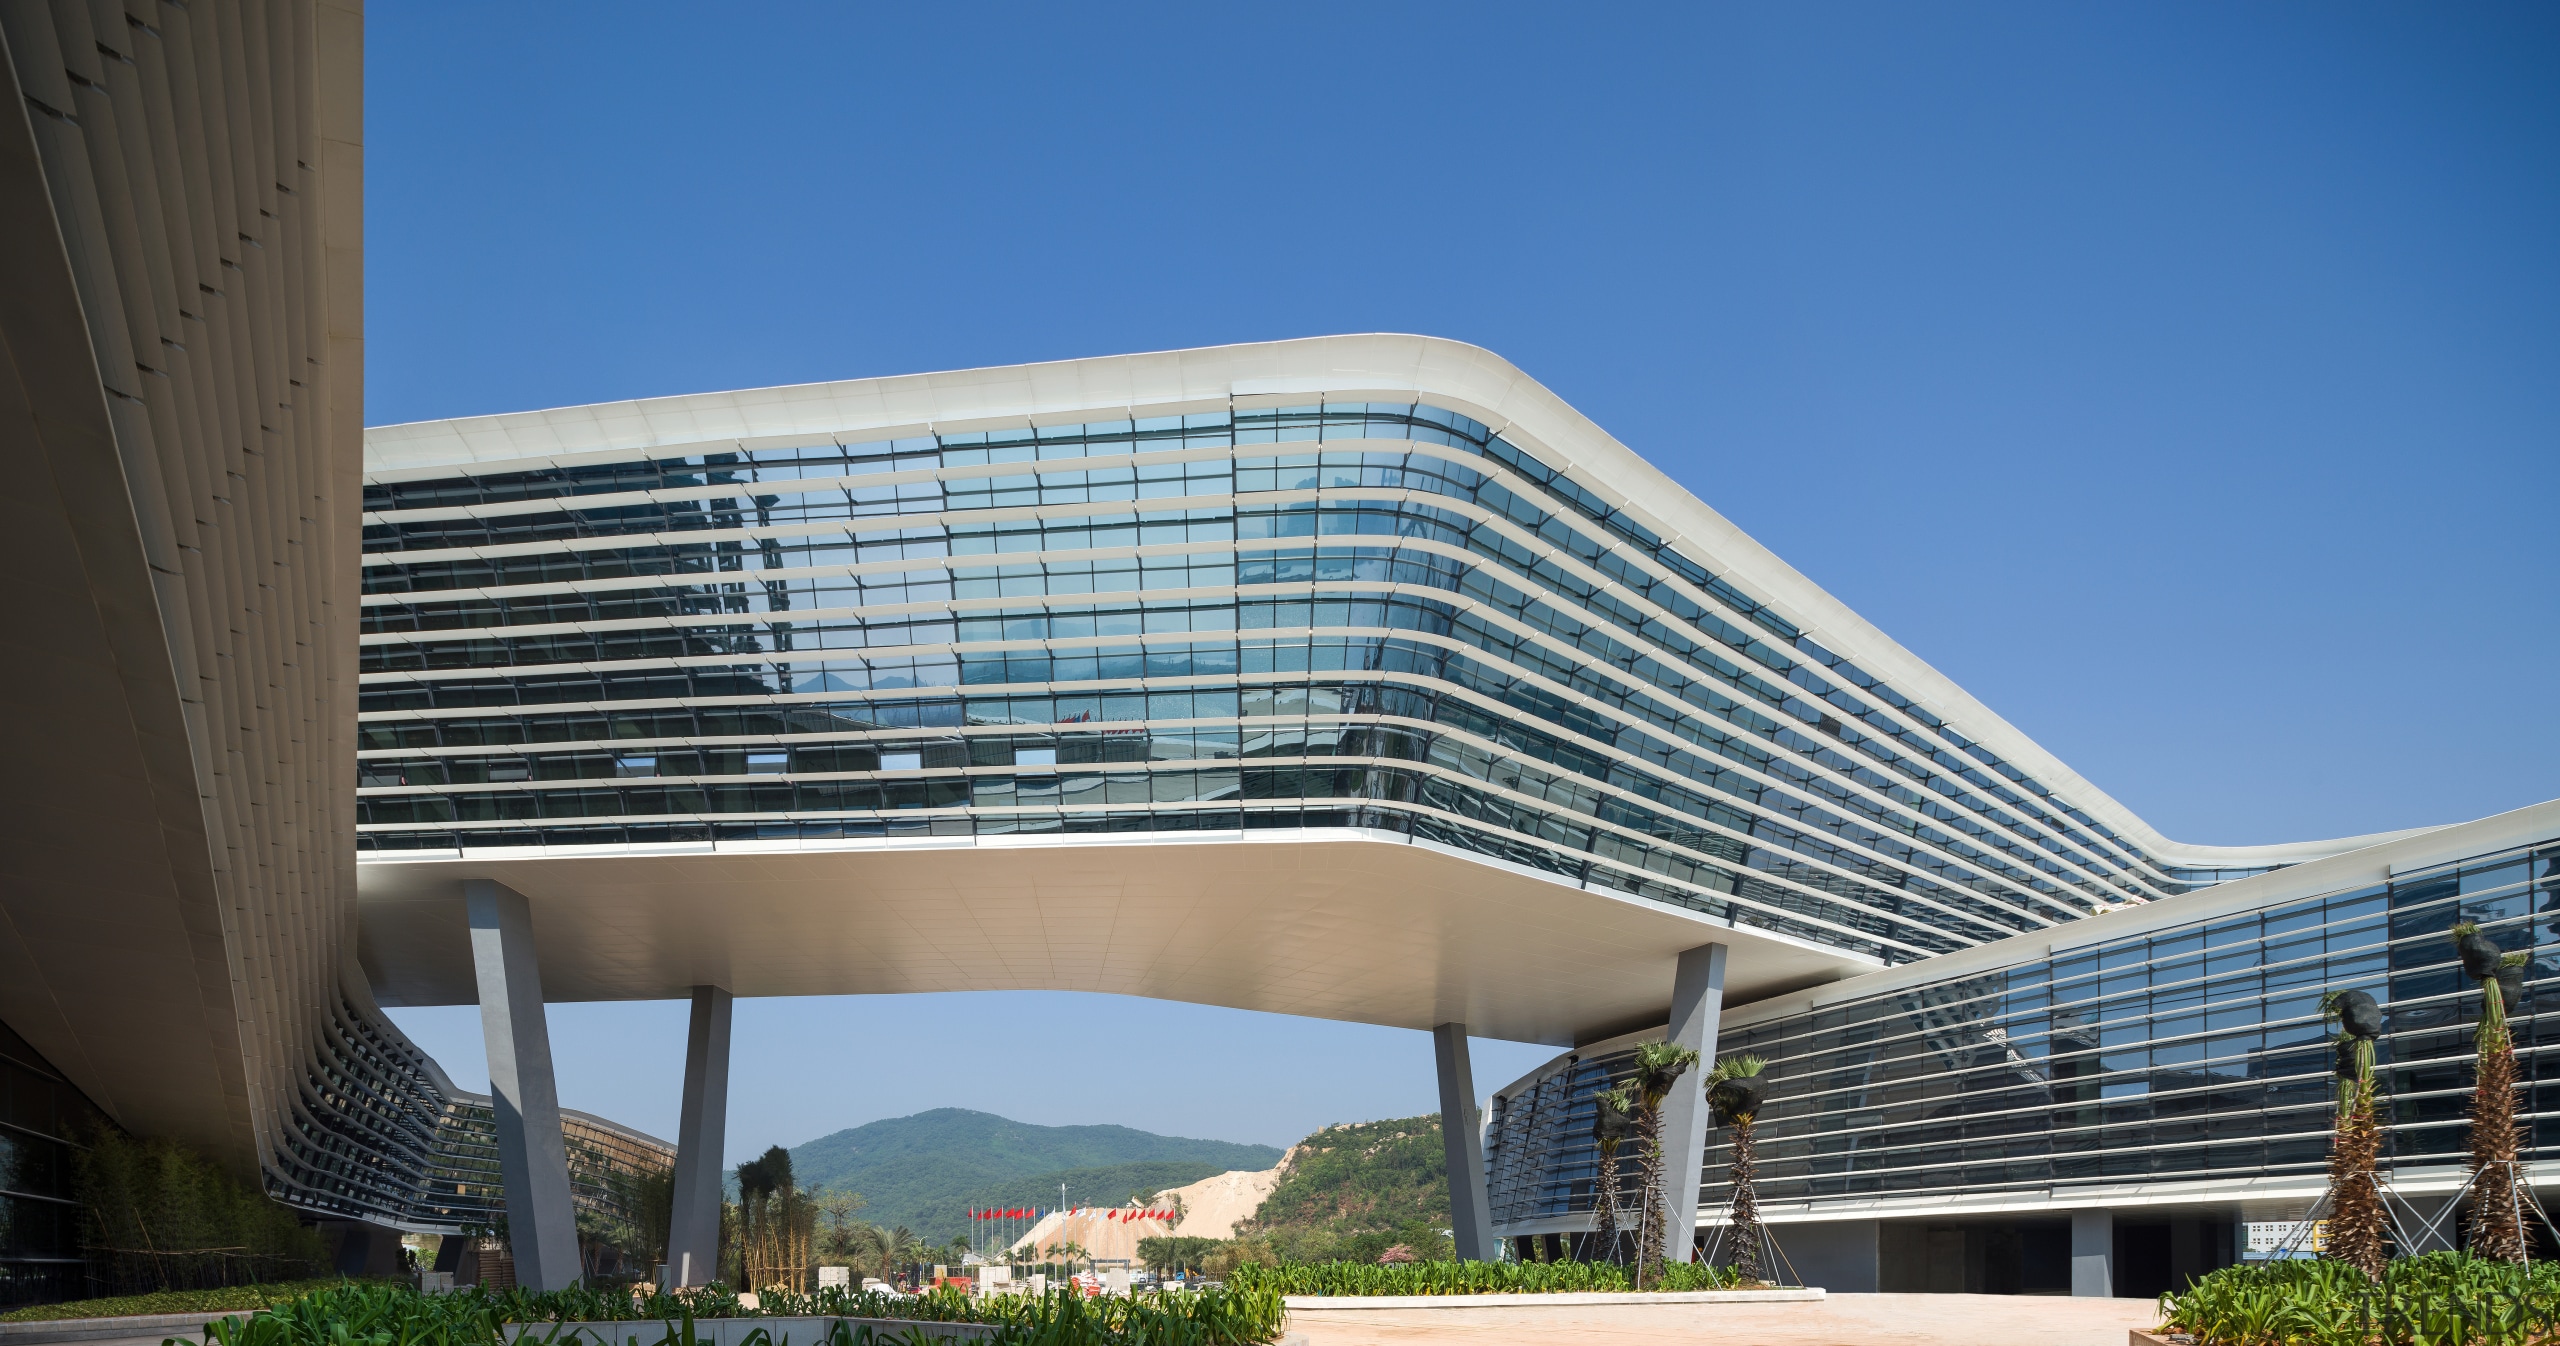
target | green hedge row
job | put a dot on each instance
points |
(2441, 1299)
(396, 1315)
(1472, 1278)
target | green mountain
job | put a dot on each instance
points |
(1353, 1189)
(926, 1171)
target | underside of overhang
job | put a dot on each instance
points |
(1365, 927)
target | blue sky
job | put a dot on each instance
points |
(2182, 380)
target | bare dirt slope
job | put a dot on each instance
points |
(1213, 1205)
(1210, 1209)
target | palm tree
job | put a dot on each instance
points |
(2497, 1214)
(2356, 1215)
(1735, 1090)
(1609, 1127)
(895, 1248)
(1066, 1253)
(1659, 1065)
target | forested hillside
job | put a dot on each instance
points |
(1351, 1190)
(925, 1171)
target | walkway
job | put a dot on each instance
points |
(1840, 1320)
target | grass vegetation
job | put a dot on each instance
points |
(1475, 1278)
(2441, 1299)
(227, 1299)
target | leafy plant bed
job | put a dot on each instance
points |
(1341, 1279)
(350, 1312)
(226, 1300)
(2441, 1299)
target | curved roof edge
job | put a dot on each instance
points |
(1447, 373)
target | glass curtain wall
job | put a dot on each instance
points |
(44, 1120)
(2186, 1054)
(1365, 615)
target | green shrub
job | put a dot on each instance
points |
(353, 1312)
(1471, 1278)
(2441, 1299)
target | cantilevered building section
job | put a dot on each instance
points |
(1357, 677)
(1385, 584)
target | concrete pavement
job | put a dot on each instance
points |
(1838, 1320)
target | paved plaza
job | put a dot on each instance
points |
(1839, 1320)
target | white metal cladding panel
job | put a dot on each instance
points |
(181, 872)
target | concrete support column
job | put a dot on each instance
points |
(533, 1159)
(1697, 1002)
(1845, 1257)
(1470, 1214)
(693, 1232)
(2093, 1253)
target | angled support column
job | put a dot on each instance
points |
(693, 1232)
(1470, 1215)
(533, 1159)
(1697, 1001)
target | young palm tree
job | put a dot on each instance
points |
(2356, 1216)
(1617, 1117)
(2497, 1216)
(894, 1248)
(1659, 1066)
(1735, 1090)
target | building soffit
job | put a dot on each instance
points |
(112, 882)
(1368, 927)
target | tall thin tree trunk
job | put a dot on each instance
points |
(1604, 1230)
(2497, 1224)
(1650, 1221)
(1746, 1205)
(2356, 1214)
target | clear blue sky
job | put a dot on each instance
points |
(2183, 380)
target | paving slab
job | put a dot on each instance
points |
(1834, 1320)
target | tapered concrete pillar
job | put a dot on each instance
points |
(1470, 1216)
(1697, 1001)
(702, 1129)
(533, 1159)
(2093, 1253)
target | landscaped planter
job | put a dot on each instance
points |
(50, 1330)
(810, 1331)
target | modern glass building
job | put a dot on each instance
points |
(2135, 1090)
(1361, 677)
(1288, 611)
(1358, 677)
